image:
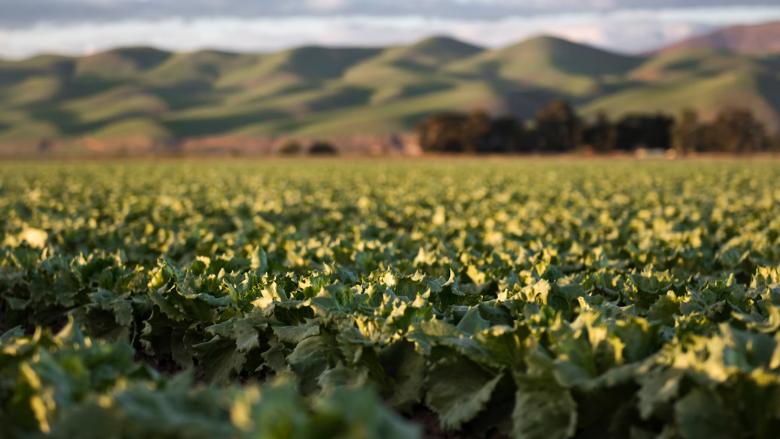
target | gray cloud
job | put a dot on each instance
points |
(621, 32)
(29, 27)
(24, 13)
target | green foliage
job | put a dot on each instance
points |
(68, 385)
(537, 299)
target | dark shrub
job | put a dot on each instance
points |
(291, 148)
(558, 128)
(444, 132)
(322, 148)
(735, 130)
(470, 133)
(644, 131)
(601, 135)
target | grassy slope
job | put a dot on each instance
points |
(705, 80)
(566, 68)
(321, 91)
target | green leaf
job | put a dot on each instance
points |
(543, 410)
(243, 331)
(310, 359)
(702, 415)
(17, 304)
(246, 336)
(166, 306)
(275, 356)
(639, 337)
(123, 312)
(11, 334)
(296, 334)
(341, 376)
(664, 309)
(472, 322)
(427, 334)
(659, 388)
(357, 413)
(406, 367)
(274, 411)
(503, 346)
(458, 389)
(259, 261)
(220, 359)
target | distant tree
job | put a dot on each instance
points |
(530, 141)
(773, 144)
(454, 132)
(442, 133)
(45, 145)
(601, 135)
(291, 148)
(558, 129)
(686, 133)
(734, 130)
(506, 135)
(644, 131)
(476, 131)
(322, 148)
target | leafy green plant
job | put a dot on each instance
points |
(68, 385)
(548, 301)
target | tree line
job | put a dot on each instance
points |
(557, 128)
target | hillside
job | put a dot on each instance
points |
(706, 80)
(755, 39)
(137, 97)
(548, 63)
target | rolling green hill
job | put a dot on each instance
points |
(704, 79)
(550, 63)
(145, 93)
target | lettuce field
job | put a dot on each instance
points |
(337, 299)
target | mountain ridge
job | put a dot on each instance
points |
(763, 38)
(142, 92)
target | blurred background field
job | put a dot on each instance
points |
(147, 101)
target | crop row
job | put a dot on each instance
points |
(538, 303)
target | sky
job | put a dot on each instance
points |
(78, 27)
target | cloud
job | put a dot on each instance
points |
(627, 34)
(270, 25)
(25, 13)
(326, 5)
